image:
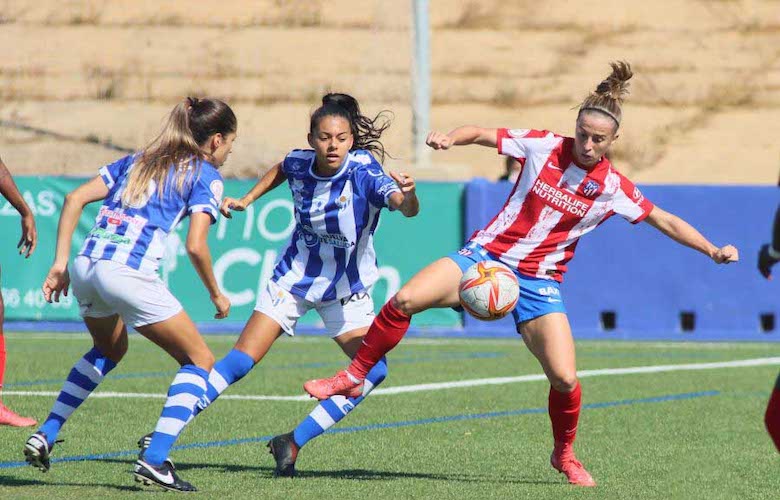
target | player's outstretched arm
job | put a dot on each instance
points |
(57, 281)
(8, 189)
(463, 136)
(769, 255)
(682, 232)
(272, 179)
(406, 201)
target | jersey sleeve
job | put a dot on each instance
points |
(378, 186)
(296, 161)
(522, 143)
(630, 203)
(112, 172)
(206, 193)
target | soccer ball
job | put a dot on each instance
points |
(488, 290)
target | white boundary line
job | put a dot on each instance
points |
(742, 363)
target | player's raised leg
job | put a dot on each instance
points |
(549, 338)
(434, 286)
(7, 416)
(110, 345)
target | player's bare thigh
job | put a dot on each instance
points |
(179, 337)
(550, 340)
(434, 286)
(258, 335)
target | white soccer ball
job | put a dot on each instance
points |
(489, 290)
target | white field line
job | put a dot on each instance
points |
(438, 386)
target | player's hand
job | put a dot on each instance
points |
(222, 304)
(405, 182)
(29, 239)
(228, 204)
(765, 262)
(726, 255)
(438, 140)
(56, 283)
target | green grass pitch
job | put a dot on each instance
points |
(670, 434)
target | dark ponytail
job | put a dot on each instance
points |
(366, 131)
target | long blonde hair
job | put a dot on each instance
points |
(610, 93)
(178, 146)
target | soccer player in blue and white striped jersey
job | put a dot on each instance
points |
(115, 279)
(339, 190)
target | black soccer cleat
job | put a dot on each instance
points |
(37, 450)
(285, 451)
(164, 476)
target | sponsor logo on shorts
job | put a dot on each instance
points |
(355, 297)
(547, 291)
(465, 252)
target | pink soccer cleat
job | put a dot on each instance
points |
(564, 461)
(8, 417)
(340, 384)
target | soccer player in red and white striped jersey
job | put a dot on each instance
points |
(567, 187)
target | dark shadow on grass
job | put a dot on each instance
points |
(362, 474)
(16, 481)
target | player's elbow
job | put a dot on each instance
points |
(411, 211)
(74, 199)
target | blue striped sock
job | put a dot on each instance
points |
(332, 410)
(226, 372)
(187, 388)
(83, 378)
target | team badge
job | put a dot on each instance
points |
(217, 189)
(342, 202)
(591, 187)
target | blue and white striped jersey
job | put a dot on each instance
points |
(331, 252)
(136, 235)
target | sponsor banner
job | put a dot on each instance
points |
(244, 250)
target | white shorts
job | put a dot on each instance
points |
(340, 316)
(104, 288)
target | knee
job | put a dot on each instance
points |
(203, 360)
(563, 382)
(114, 351)
(404, 301)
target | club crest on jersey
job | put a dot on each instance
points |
(343, 201)
(591, 187)
(217, 189)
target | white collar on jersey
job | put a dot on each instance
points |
(342, 169)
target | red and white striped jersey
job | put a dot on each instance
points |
(554, 203)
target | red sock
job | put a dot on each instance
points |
(2, 359)
(772, 415)
(387, 330)
(564, 409)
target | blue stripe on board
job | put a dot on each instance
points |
(291, 366)
(388, 425)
